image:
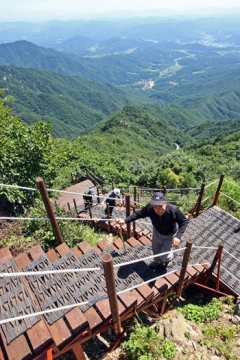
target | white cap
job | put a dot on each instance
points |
(116, 191)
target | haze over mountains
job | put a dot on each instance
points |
(75, 73)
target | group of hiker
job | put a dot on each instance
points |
(169, 223)
(109, 199)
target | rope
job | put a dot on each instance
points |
(231, 255)
(22, 317)
(238, 279)
(19, 187)
(147, 258)
(205, 247)
(146, 282)
(208, 197)
(57, 218)
(46, 272)
(230, 198)
(211, 183)
(232, 183)
(65, 307)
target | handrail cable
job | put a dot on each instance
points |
(205, 247)
(238, 279)
(224, 250)
(230, 198)
(147, 258)
(208, 197)
(232, 183)
(70, 306)
(47, 272)
(211, 183)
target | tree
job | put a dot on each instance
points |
(25, 154)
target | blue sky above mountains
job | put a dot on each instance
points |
(33, 10)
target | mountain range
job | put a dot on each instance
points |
(185, 72)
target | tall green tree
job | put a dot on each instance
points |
(25, 154)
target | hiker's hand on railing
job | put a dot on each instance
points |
(175, 242)
(120, 221)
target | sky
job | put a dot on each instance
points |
(14, 10)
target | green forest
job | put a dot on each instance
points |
(129, 147)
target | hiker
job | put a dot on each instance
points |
(87, 198)
(169, 224)
(110, 199)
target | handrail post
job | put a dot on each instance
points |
(135, 195)
(218, 189)
(107, 262)
(48, 207)
(134, 223)
(75, 207)
(108, 215)
(184, 266)
(199, 201)
(49, 354)
(127, 199)
(217, 258)
(98, 198)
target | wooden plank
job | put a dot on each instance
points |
(119, 243)
(18, 348)
(62, 249)
(1, 354)
(145, 291)
(138, 296)
(192, 271)
(77, 321)
(132, 241)
(162, 284)
(52, 256)
(96, 248)
(103, 245)
(172, 278)
(77, 253)
(145, 232)
(128, 300)
(5, 255)
(36, 251)
(103, 307)
(84, 247)
(144, 240)
(94, 320)
(199, 268)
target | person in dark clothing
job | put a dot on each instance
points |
(87, 198)
(169, 224)
(110, 199)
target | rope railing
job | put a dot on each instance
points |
(62, 271)
(238, 279)
(230, 198)
(70, 306)
(232, 183)
(234, 257)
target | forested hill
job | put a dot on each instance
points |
(71, 104)
(110, 69)
(134, 130)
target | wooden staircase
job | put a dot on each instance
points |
(68, 329)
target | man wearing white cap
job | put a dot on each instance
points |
(110, 199)
(169, 224)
